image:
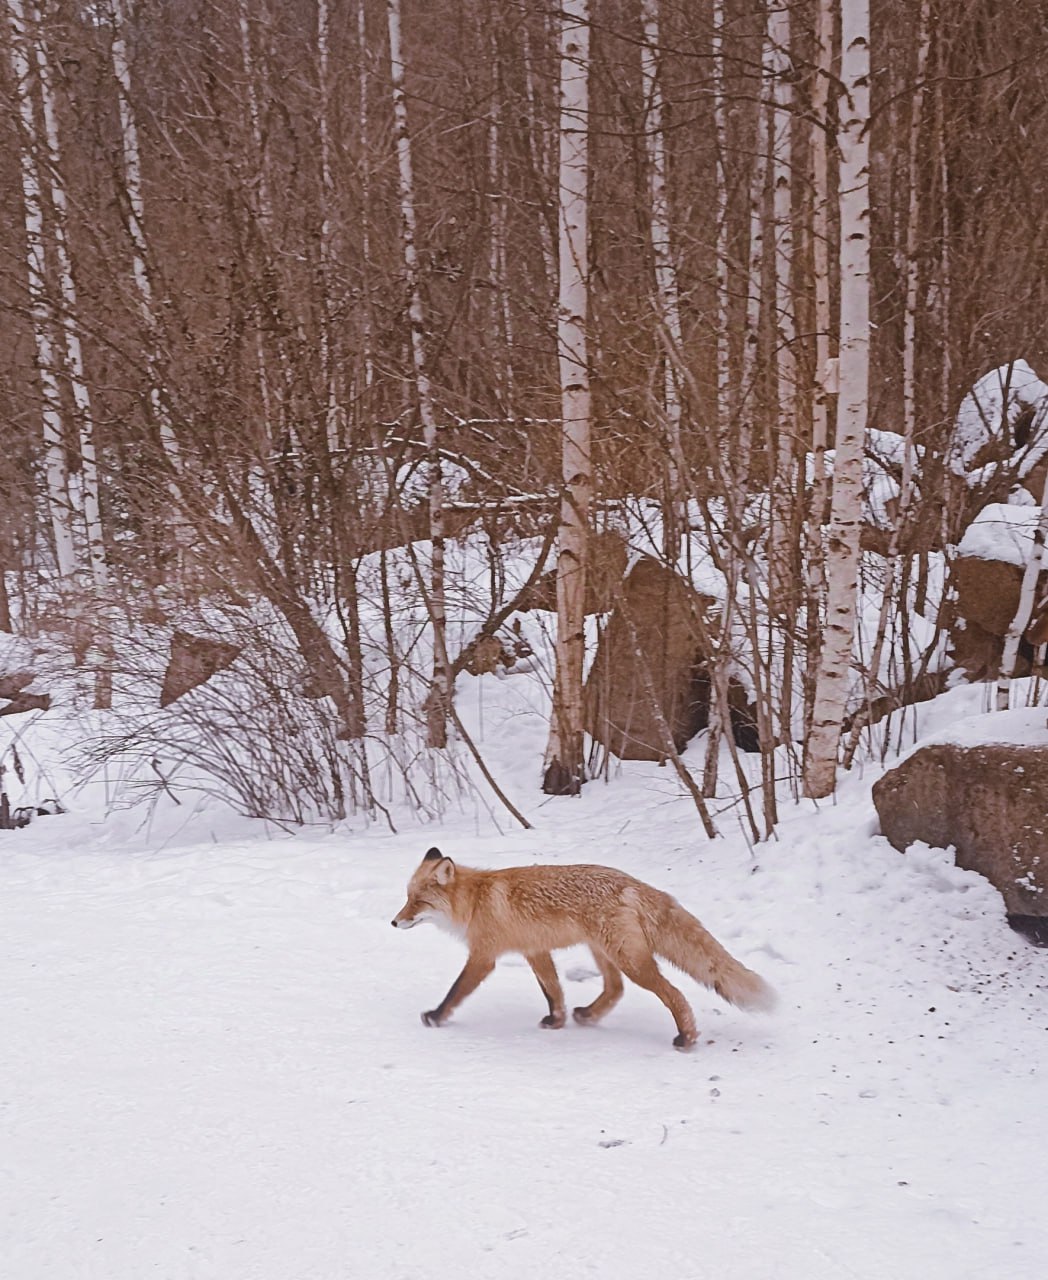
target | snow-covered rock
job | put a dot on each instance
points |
(1003, 419)
(989, 802)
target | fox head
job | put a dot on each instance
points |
(428, 892)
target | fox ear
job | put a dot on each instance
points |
(433, 855)
(445, 871)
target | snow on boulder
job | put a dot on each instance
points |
(1002, 422)
(1002, 532)
(989, 802)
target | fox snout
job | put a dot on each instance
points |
(401, 921)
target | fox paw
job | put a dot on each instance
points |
(553, 1021)
(432, 1018)
(583, 1016)
(684, 1041)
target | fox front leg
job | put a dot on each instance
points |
(545, 971)
(476, 970)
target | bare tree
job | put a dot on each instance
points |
(833, 682)
(40, 299)
(439, 698)
(564, 771)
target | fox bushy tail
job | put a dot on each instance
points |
(683, 941)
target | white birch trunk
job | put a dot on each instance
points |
(780, 70)
(909, 382)
(755, 273)
(40, 304)
(132, 173)
(720, 124)
(842, 559)
(1024, 609)
(327, 336)
(365, 188)
(88, 503)
(821, 260)
(667, 294)
(439, 699)
(564, 770)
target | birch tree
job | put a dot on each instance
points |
(825, 374)
(833, 679)
(720, 124)
(780, 73)
(755, 269)
(564, 770)
(88, 495)
(439, 698)
(134, 216)
(40, 302)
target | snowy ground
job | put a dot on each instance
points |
(213, 1066)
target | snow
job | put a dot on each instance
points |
(1001, 532)
(988, 413)
(214, 1067)
(961, 717)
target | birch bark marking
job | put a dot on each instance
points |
(821, 243)
(667, 295)
(720, 125)
(328, 360)
(40, 305)
(755, 273)
(439, 697)
(842, 551)
(896, 575)
(88, 503)
(823, 388)
(564, 772)
(780, 71)
(135, 214)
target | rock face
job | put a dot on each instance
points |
(986, 579)
(194, 660)
(991, 804)
(670, 630)
(16, 698)
(608, 556)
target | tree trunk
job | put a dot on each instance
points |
(667, 294)
(439, 697)
(564, 770)
(842, 559)
(41, 305)
(821, 391)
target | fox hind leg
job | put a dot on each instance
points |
(545, 971)
(645, 972)
(608, 998)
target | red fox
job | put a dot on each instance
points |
(534, 910)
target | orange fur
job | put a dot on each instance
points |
(535, 910)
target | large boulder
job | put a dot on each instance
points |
(990, 803)
(606, 560)
(658, 622)
(194, 660)
(986, 579)
(659, 630)
(16, 697)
